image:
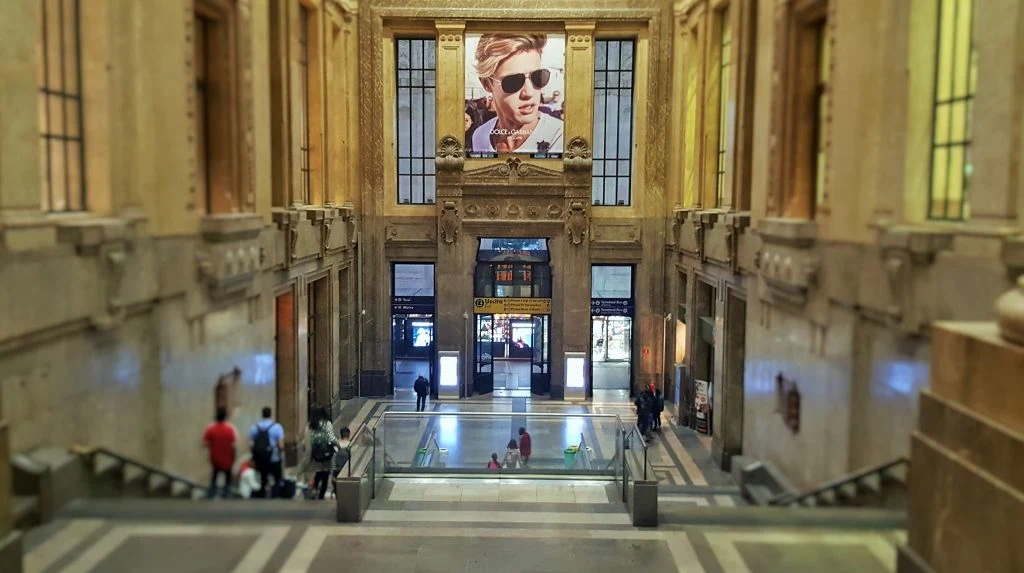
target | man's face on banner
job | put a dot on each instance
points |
(516, 88)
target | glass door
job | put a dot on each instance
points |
(483, 372)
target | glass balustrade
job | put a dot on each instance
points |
(575, 445)
(466, 443)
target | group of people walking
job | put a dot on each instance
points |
(649, 406)
(328, 454)
(517, 454)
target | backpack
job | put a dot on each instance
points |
(323, 448)
(262, 449)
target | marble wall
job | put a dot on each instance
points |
(818, 360)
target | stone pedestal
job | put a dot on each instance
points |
(10, 540)
(967, 487)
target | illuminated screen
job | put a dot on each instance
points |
(515, 93)
(422, 336)
(449, 371)
(574, 372)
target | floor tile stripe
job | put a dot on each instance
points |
(53, 549)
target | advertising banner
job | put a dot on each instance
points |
(512, 305)
(702, 407)
(515, 94)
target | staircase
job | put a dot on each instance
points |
(883, 485)
(46, 479)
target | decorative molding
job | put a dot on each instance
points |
(735, 225)
(448, 222)
(905, 253)
(580, 41)
(513, 171)
(787, 262)
(576, 223)
(293, 242)
(112, 258)
(521, 209)
(229, 268)
(325, 242)
(193, 201)
(577, 154)
(450, 154)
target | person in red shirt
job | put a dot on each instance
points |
(525, 445)
(220, 438)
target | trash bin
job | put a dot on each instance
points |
(570, 457)
(420, 459)
(442, 457)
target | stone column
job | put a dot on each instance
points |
(19, 130)
(998, 116)
(967, 490)
(452, 271)
(571, 307)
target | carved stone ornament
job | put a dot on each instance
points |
(450, 156)
(1010, 314)
(326, 237)
(513, 172)
(113, 256)
(576, 223)
(577, 154)
(449, 222)
(293, 241)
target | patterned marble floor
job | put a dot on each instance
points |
(545, 541)
(494, 525)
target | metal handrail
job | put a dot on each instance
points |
(92, 451)
(493, 414)
(836, 484)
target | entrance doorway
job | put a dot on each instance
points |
(512, 304)
(412, 351)
(412, 328)
(611, 351)
(318, 357)
(512, 354)
(611, 330)
(286, 407)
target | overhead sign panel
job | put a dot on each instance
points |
(512, 305)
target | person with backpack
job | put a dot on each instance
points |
(323, 446)
(644, 411)
(422, 387)
(266, 441)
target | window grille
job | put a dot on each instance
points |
(416, 84)
(613, 122)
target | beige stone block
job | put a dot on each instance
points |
(973, 366)
(993, 448)
(962, 518)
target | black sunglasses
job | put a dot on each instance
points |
(512, 83)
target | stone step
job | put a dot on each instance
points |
(772, 516)
(26, 511)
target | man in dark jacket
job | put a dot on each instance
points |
(644, 408)
(422, 388)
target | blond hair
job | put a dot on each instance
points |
(494, 49)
